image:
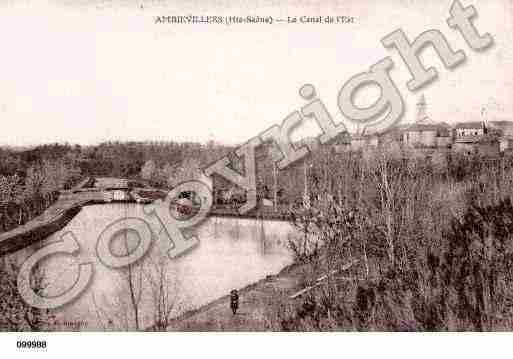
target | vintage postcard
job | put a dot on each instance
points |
(265, 166)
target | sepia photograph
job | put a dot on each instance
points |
(334, 173)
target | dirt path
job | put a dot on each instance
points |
(255, 304)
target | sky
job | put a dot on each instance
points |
(91, 71)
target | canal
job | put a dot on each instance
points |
(231, 254)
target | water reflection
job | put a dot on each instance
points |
(232, 254)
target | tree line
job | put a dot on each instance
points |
(433, 241)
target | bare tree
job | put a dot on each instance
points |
(164, 293)
(147, 297)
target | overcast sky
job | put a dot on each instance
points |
(89, 71)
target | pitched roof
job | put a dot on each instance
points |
(500, 123)
(425, 127)
(444, 124)
(469, 125)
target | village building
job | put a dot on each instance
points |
(427, 137)
(359, 142)
(393, 135)
(430, 135)
(469, 129)
(342, 143)
(476, 145)
(475, 138)
(425, 133)
(504, 130)
(506, 144)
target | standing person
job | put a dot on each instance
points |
(234, 301)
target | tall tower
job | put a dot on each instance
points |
(421, 109)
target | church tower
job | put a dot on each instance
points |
(421, 110)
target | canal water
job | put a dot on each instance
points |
(231, 254)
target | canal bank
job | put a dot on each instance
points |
(93, 191)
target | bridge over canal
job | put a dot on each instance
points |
(103, 190)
